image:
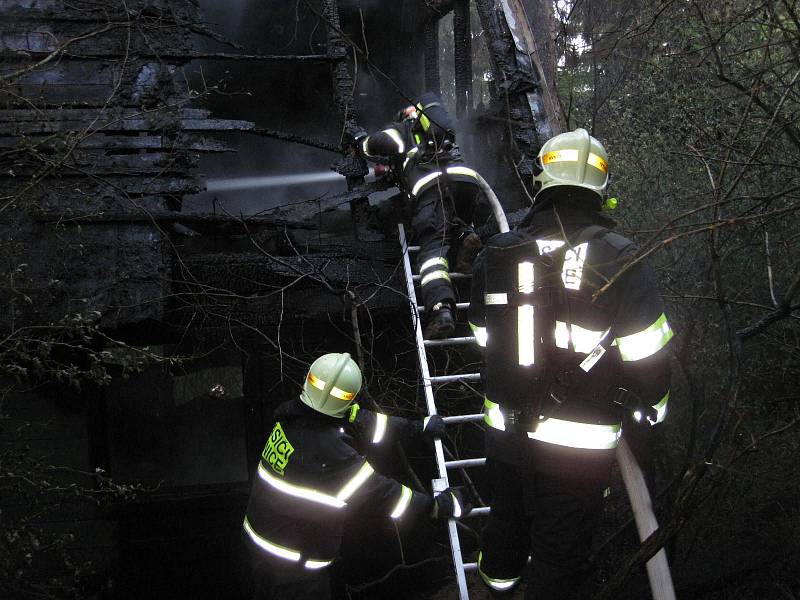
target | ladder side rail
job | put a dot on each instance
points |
(442, 482)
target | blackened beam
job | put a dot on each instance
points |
(297, 139)
(163, 216)
(463, 57)
(432, 79)
(173, 57)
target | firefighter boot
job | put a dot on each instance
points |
(470, 245)
(440, 324)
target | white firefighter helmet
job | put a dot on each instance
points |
(573, 159)
(332, 384)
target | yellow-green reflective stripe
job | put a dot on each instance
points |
(402, 504)
(380, 427)
(299, 491)
(392, 133)
(480, 333)
(354, 412)
(661, 408)
(576, 435)
(410, 154)
(458, 170)
(425, 181)
(583, 339)
(434, 262)
(423, 118)
(492, 415)
(435, 275)
(356, 482)
(270, 547)
(364, 148)
(499, 585)
(646, 342)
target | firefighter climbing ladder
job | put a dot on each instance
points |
(657, 567)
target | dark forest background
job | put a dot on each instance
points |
(147, 328)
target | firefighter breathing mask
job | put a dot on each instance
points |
(573, 159)
(332, 383)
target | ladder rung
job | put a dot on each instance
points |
(455, 341)
(462, 419)
(459, 306)
(452, 276)
(470, 567)
(413, 248)
(461, 377)
(468, 462)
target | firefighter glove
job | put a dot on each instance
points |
(433, 426)
(453, 503)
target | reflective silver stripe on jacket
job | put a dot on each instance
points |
(281, 551)
(312, 495)
(558, 431)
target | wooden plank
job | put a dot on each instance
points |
(101, 141)
(153, 123)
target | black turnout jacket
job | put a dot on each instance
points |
(311, 477)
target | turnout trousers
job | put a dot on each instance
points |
(550, 518)
(278, 579)
(440, 215)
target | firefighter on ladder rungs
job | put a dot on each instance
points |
(575, 345)
(445, 196)
(312, 478)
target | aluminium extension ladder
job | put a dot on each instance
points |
(657, 567)
(428, 383)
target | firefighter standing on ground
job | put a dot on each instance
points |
(446, 197)
(310, 479)
(563, 367)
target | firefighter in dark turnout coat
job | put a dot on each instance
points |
(310, 479)
(445, 194)
(574, 342)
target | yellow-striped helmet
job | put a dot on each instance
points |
(332, 384)
(576, 159)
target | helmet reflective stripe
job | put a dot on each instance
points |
(646, 342)
(492, 415)
(434, 275)
(459, 170)
(380, 427)
(661, 409)
(281, 551)
(499, 585)
(572, 156)
(334, 391)
(433, 262)
(584, 340)
(337, 501)
(402, 504)
(576, 435)
(364, 148)
(395, 135)
(356, 482)
(525, 331)
(424, 181)
(480, 334)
